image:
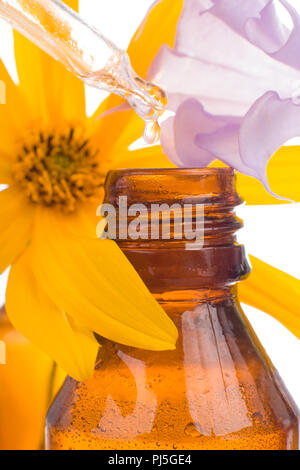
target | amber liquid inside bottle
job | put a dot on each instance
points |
(218, 389)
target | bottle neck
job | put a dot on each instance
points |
(178, 230)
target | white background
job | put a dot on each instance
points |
(271, 232)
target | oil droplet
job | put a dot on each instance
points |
(151, 132)
(150, 108)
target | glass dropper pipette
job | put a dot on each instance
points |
(63, 34)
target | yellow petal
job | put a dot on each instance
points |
(5, 169)
(53, 93)
(25, 390)
(94, 282)
(13, 113)
(158, 28)
(148, 157)
(115, 132)
(74, 4)
(16, 218)
(274, 292)
(283, 175)
(33, 314)
(84, 221)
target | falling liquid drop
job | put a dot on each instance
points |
(151, 132)
(150, 108)
(148, 100)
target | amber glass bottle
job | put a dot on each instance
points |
(218, 388)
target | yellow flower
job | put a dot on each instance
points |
(28, 382)
(64, 283)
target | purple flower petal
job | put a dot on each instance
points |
(255, 20)
(267, 31)
(201, 137)
(195, 138)
(212, 83)
(178, 136)
(232, 79)
(235, 13)
(269, 123)
(167, 141)
(223, 70)
(289, 52)
(258, 21)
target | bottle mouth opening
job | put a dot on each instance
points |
(210, 186)
(183, 171)
(163, 217)
(178, 205)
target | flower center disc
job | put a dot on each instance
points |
(59, 170)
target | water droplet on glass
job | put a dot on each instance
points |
(191, 431)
